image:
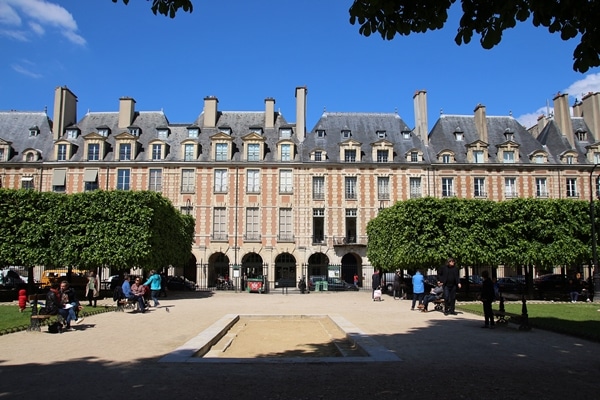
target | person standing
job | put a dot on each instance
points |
(398, 285)
(487, 297)
(92, 289)
(356, 280)
(154, 282)
(451, 281)
(375, 282)
(418, 283)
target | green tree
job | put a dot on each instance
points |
(486, 18)
(167, 7)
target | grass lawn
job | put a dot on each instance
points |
(579, 319)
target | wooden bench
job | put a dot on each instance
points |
(503, 317)
(438, 304)
(36, 319)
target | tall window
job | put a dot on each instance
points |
(541, 188)
(93, 152)
(188, 183)
(478, 156)
(382, 155)
(219, 224)
(351, 230)
(253, 181)
(318, 155)
(125, 152)
(415, 188)
(253, 152)
(155, 180)
(572, 187)
(189, 150)
(156, 152)
(252, 224)
(318, 225)
(318, 187)
(350, 155)
(27, 183)
(61, 156)
(220, 180)
(596, 158)
(414, 156)
(285, 225)
(221, 152)
(570, 159)
(286, 154)
(285, 181)
(479, 187)
(510, 187)
(509, 157)
(123, 179)
(383, 188)
(446, 158)
(350, 187)
(447, 187)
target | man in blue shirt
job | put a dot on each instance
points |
(126, 287)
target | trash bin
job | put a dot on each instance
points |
(254, 285)
(324, 285)
(318, 286)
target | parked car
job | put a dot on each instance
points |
(551, 286)
(10, 279)
(511, 284)
(285, 282)
(474, 283)
(180, 283)
(333, 283)
(111, 282)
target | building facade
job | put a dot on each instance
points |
(272, 199)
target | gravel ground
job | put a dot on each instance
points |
(115, 355)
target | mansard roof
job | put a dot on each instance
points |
(558, 144)
(14, 128)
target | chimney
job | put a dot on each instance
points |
(210, 111)
(590, 111)
(481, 122)
(420, 108)
(269, 113)
(126, 111)
(301, 112)
(562, 117)
(65, 111)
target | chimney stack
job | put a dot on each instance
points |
(210, 112)
(126, 111)
(269, 113)
(562, 116)
(301, 112)
(590, 111)
(420, 109)
(65, 111)
(481, 122)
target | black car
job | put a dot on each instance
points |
(551, 286)
(180, 283)
(511, 284)
(317, 283)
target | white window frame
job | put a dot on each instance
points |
(221, 180)
(253, 181)
(285, 181)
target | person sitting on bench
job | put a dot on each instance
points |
(436, 293)
(137, 294)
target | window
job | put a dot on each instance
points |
(34, 131)
(572, 187)
(539, 159)
(72, 133)
(446, 158)
(125, 152)
(318, 187)
(509, 134)
(350, 236)
(220, 181)
(2, 154)
(285, 225)
(320, 133)
(193, 133)
(222, 150)
(459, 136)
(346, 134)
(508, 157)
(252, 224)
(134, 131)
(253, 152)
(414, 156)
(27, 183)
(405, 135)
(225, 129)
(93, 152)
(510, 187)
(447, 187)
(285, 181)
(318, 226)
(596, 158)
(189, 152)
(155, 180)
(253, 181)
(59, 177)
(318, 155)
(383, 188)
(61, 155)
(382, 155)
(90, 179)
(381, 134)
(123, 179)
(187, 181)
(415, 188)
(30, 156)
(581, 135)
(103, 132)
(286, 152)
(285, 133)
(541, 188)
(256, 129)
(478, 156)
(163, 134)
(570, 159)
(157, 152)
(479, 187)
(350, 187)
(350, 155)
(220, 224)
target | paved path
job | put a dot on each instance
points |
(115, 355)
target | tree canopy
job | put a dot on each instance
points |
(486, 18)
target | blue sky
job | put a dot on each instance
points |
(245, 51)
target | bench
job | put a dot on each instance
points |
(126, 304)
(36, 319)
(503, 317)
(438, 304)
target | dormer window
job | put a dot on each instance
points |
(381, 134)
(193, 133)
(103, 131)
(459, 134)
(34, 131)
(320, 133)
(346, 134)
(406, 135)
(581, 135)
(134, 130)
(225, 129)
(162, 133)
(72, 133)
(256, 129)
(509, 134)
(285, 133)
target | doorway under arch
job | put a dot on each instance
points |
(285, 269)
(351, 264)
(317, 264)
(218, 265)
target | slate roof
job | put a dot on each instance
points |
(557, 143)
(14, 128)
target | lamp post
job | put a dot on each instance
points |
(596, 276)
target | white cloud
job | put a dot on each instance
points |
(590, 83)
(40, 15)
(21, 36)
(24, 71)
